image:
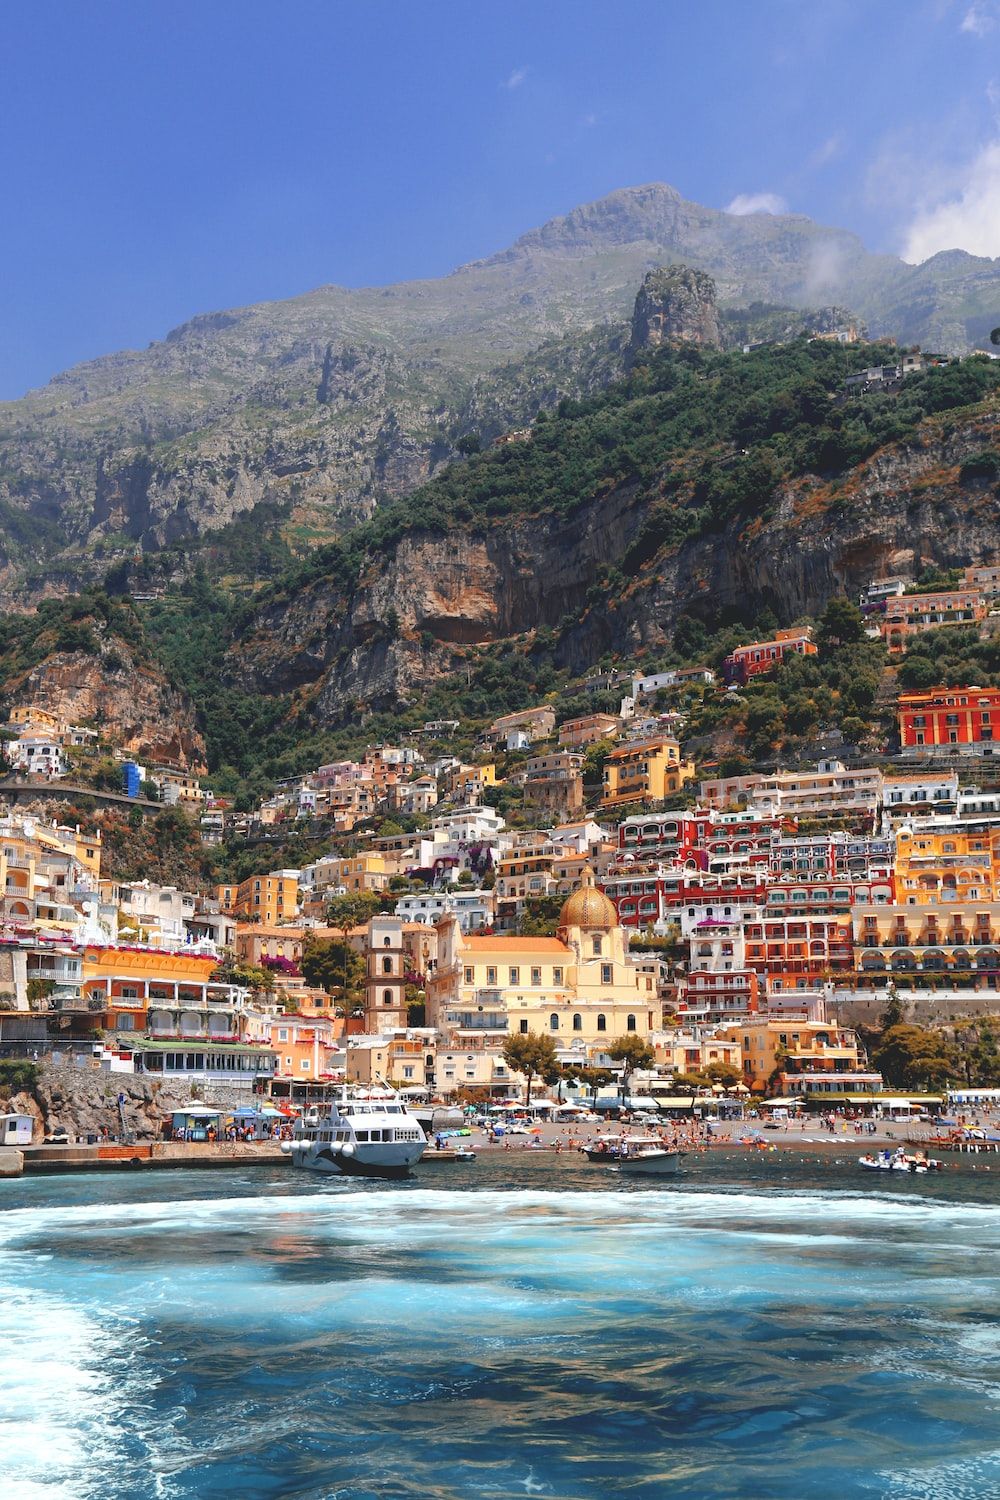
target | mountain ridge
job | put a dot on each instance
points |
(325, 406)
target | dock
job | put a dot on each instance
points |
(144, 1156)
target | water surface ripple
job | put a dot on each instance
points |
(757, 1330)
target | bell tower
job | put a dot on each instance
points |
(385, 980)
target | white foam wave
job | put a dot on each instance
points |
(57, 1405)
(431, 1212)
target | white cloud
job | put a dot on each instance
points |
(515, 79)
(968, 220)
(827, 151)
(757, 203)
(588, 121)
(979, 19)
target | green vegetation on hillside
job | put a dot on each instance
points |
(708, 437)
(704, 437)
(85, 622)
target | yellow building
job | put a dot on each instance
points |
(39, 719)
(474, 778)
(362, 872)
(959, 939)
(681, 1052)
(949, 864)
(801, 1056)
(404, 1059)
(176, 786)
(256, 942)
(40, 866)
(263, 898)
(578, 986)
(646, 771)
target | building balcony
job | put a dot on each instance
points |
(477, 1020)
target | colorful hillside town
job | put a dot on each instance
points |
(588, 878)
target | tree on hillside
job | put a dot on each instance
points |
(916, 1058)
(531, 1053)
(247, 976)
(980, 1055)
(894, 1013)
(331, 964)
(345, 912)
(632, 1052)
(840, 624)
(539, 915)
(995, 336)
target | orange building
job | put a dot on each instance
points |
(574, 734)
(170, 993)
(950, 863)
(263, 898)
(305, 1045)
(911, 614)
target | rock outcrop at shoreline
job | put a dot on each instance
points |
(83, 1103)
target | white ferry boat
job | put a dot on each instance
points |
(363, 1134)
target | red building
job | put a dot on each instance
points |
(764, 656)
(946, 717)
(643, 897)
(701, 838)
(799, 950)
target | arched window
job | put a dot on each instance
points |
(630, 1023)
(387, 942)
(577, 1022)
(602, 1023)
(597, 945)
(387, 997)
(387, 965)
(554, 1022)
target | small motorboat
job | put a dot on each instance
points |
(898, 1161)
(650, 1161)
(611, 1148)
(464, 1153)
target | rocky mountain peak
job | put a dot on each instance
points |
(675, 305)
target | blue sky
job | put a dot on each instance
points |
(169, 157)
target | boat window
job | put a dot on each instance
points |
(361, 1135)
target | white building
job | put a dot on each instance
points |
(474, 909)
(37, 756)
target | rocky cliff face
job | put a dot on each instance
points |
(414, 610)
(329, 404)
(675, 305)
(131, 703)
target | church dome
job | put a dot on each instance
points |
(588, 908)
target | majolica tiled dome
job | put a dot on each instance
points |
(588, 908)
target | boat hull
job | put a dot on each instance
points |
(918, 1168)
(655, 1164)
(392, 1161)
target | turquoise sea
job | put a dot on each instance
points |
(762, 1327)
